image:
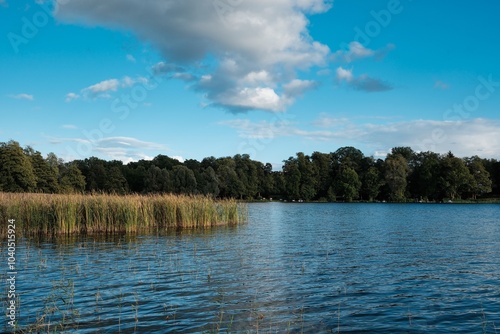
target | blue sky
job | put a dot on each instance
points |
(128, 80)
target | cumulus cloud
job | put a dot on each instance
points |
(355, 50)
(362, 83)
(234, 40)
(23, 96)
(464, 138)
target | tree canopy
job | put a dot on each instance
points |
(343, 175)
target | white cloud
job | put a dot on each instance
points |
(178, 158)
(263, 42)
(356, 50)
(362, 83)
(464, 138)
(71, 96)
(125, 149)
(23, 96)
(344, 74)
(101, 89)
(297, 87)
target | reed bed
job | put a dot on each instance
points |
(80, 214)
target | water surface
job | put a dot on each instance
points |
(294, 267)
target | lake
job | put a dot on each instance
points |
(293, 268)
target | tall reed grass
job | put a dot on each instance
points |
(74, 214)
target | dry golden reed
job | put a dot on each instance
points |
(73, 214)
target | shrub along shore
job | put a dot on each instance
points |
(53, 214)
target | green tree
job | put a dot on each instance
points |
(115, 183)
(16, 171)
(481, 181)
(347, 156)
(308, 177)
(94, 170)
(71, 179)
(46, 177)
(183, 180)
(323, 166)
(157, 180)
(396, 171)
(455, 176)
(209, 182)
(371, 183)
(291, 175)
(267, 182)
(347, 184)
(424, 182)
(229, 183)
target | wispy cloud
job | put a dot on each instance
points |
(131, 58)
(71, 96)
(363, 82)
(126, 149)
(23, 96)
(103, 89)
(356, 51)
(69, 127)
(464, 138)
(243, 39)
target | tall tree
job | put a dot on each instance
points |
(157, 180)
(115, 182)
(209, 184)
(46, 177)
(481, 181)
(323, 166)
(371, 183)
(396, 171)
(347, 184)
(71, 179)
(291, 176)
(16, 171)
(183, 180)
(424, 184)
(308, 177)
(455, 176)
(229, 183)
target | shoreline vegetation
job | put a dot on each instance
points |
(56, 214)
(346, 175)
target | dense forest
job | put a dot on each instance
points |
(344, 175)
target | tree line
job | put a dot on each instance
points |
(344, 175)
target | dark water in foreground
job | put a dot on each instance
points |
(312, 268)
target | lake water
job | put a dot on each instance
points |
(294, 267)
